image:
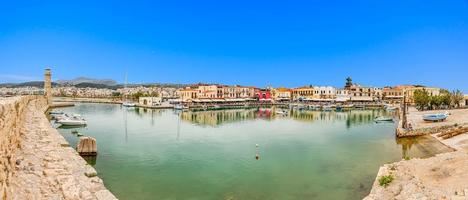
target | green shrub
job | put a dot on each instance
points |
(385, 180)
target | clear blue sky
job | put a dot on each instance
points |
(283, 43)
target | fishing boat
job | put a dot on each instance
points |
(128, 104)
(74, 120)
(56, 112)
(435, 117)
(383, 119)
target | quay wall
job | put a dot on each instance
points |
(36, 161)
(12, 113)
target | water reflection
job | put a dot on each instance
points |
(421, 146)
(219, 117)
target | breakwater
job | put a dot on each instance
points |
(36, 161)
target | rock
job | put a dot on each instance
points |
(87, 146)
(104, 195)
(90, 172)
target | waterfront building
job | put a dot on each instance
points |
(409, 92)
(342, 95)
(360, 93)
(324, 93)
(394, 95)
(303, 93)
(281, 94)
(378, 92)
(150, 101)
(263, 95)
(209, 91)
(188, 94)
(465, 101)
(236, 92)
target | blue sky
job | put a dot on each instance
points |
(278, 43)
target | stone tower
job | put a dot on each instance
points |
(48, 86)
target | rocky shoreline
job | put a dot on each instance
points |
(443, 176)
(37, 162)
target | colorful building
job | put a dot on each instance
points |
(281, 94)
(303, 93)
(263, 95)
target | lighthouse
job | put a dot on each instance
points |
(48, 86)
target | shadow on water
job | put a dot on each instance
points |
(421, 146)
(91, 160)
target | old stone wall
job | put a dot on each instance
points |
(12, 113)
(36, 161)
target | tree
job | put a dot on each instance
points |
(435, 101)
(445, 98)
(421, 98)
(457, 97)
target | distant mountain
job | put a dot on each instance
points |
(81, 80)
(26, 84)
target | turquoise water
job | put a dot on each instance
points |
(162, 154)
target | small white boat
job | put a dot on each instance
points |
(435, 117)
(128, 104)
(59, 117)
(72, 121)
(180, 107)
(383, 119)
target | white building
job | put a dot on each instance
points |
(150, 101)
(342, 95)
(324, 93)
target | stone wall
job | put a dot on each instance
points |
(36, 161)
(11, 115)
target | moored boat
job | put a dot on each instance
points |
(435, 117)
(56, 112)
(74, 120)
(383, 119)
(180, 107)
(128, 104)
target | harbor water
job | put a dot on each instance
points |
(165, 154)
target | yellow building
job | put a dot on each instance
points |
(188, 94)
(306, 92)
(281, 94)
(409, 92)
(210, 91)
(236, 92)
